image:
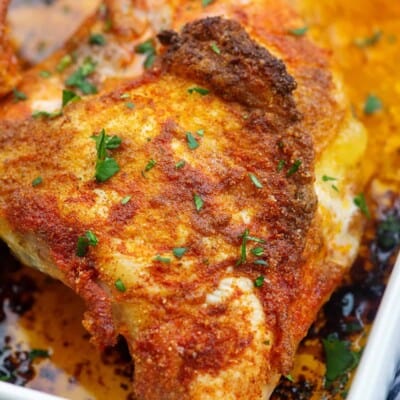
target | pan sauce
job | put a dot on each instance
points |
(364, 37)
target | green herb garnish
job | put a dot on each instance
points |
(215, 48)
(200, 90)
(44, 74)
(106, 166)
(119, 285)
(369, 40)
(179, 251)
(259, 281)
(97, 39)
(126, 200)
(180, 164)
(38, 353)
(339, 358)
(372, 104)
(78, 79)
(298, 31)
(200, 132)
(257, 251)
(294, 168)
(164, 260)
(89, 239)
(205, 3)
(149, 50)
(260, 262)
(361, 203)
(198, 202)
(64, 63)
(18, 95)
(69, 96)
(280, 166)
(327, 178)
(192, 142)
(255, 181)
(150, 165)
(243, 247)
(130, 105)
(37, 181)
(46, 114)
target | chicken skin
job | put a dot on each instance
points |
(191, 206)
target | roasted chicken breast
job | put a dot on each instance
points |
(203, 210)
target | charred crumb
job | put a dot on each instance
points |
(240, 70)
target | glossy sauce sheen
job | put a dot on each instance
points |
(76, 370)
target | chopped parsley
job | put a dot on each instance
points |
(179, 251)
(68, 96)
(215, 48)
(372, 104)
(18, 95)
(37, 181)
(38, 353)
(243, 247)
(294, 168)
(198, 202)
(180, 164)
(164, 260)
(130, 105)
(78, 79)
(126, 200)
(255, 181)
(298, 31)
(64, 63)
(257, 251)
(339, 358)
(45, 74)
(327, 178)
(150, 165)
(106, 166)
(119, 285)
(97, 39)
(197, 89)
(261, 262)
(280, 166)
(369, 40)
(192, 142)
(205, 3)
(89, 239)
(147, 48)
(200, 132)
(46, 114)
(361, 203)
(259, 281)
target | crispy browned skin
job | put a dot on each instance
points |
(197, 327)
(9, 66)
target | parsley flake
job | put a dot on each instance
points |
(45, 74)
(18, 95)
(372, 104)
(200, 90)
(243, 247)
(280, 166)
(327, 178)
(179, 251)
(37, 181)
(89, 239)
(180, 164)
(198, 202)
(205, 3)
(68, 96)
(46, 114)
(257, 251)
(147, 48)
(164, 260)
(294, 168)
(64, 63)
(150, 165)
(361, 203)
(38, 353)
(255, 181)
(130, 105)
(261, 262)
(105, 169)
(200, 132)
(215, 48)
(298, 31)
(192, 142)
(369, 40)
(97, 39)
(78, 79)
(119, 285)
(259, 281)
(126, 200)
